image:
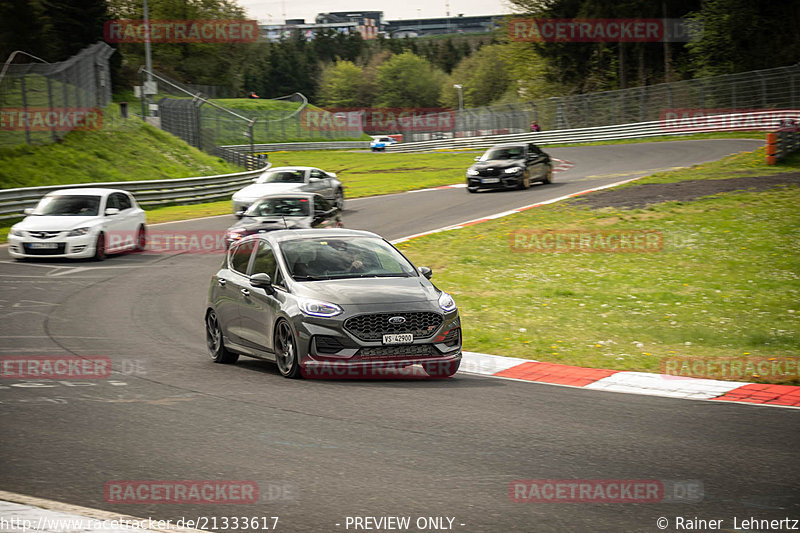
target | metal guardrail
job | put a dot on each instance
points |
(757, 121)
(292, 147)
(147, 192)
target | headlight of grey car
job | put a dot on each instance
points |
(16, 232)
(446, 302)
(318, 308)
(472, 172)
(513, 170)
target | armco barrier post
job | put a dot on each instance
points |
(772, 147)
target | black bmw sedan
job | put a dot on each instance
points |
(285, 211)
(332, 304)
(510, 166)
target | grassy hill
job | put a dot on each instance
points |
(123, 150)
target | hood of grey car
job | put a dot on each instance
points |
(368, 290)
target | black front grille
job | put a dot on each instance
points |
(453, 337)
(326, 344)
(58, 250)
(490, 172)
(408, 350)
(372, 327)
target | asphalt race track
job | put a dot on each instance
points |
(333, 449)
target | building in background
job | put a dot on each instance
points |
(370, 23)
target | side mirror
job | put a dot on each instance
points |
(28, 211)
(313, 180)
(239, 213)
(261, 281)
(426, 272)
(111, 211)
(254, 180)
(477, 158)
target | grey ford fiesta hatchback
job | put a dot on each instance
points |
(330, 303)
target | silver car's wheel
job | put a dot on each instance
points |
(286, 351)
(216, 348)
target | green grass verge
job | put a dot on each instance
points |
(368, 174)
(724, 285)
(122, 150)
(666, 138)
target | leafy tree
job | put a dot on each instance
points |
(407, 80)
(734, 36)
(343, 84)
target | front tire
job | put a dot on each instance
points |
(141, 239)
(100, 247)
(548, 178)
(216, 346)
(525, 182)
(286, 351)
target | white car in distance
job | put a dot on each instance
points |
(290, 179)
(79, 223)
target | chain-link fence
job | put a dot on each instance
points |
(186, 112)
(41, 102)
(777, 88)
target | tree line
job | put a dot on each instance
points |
(344, 70)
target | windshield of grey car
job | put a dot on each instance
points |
(515, 152)
(288, 207)
(340, 258)
(81, 206)
(283, 176)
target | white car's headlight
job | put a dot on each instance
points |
(16, 232)
(472, 172)
(513, 170)
(319, 308)
(78, 232)
(447, 303)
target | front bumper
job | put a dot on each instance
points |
(58, 247)
(507, 181)
(330, 350)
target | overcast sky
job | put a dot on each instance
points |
(274, 10)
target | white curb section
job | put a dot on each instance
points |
(664, 385)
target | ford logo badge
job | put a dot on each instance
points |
(397, 320)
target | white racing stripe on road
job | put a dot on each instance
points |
(664, 385)
(487, 364)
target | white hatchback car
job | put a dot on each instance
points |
(290, 179)
(80, 223)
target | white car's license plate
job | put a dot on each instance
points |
(43, 245)
(490, 180)
(398, 338)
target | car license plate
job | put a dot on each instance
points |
(490, 180)
(43, 245)
(398, 338)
